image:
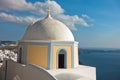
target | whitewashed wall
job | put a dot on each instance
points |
(16, 71)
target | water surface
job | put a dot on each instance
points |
(107, 64)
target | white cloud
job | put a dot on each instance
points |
(70, 21)
(15, 5)
(39, 8)
(85, 16)
(15, 19)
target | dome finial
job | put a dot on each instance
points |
(33, 20)
(49, 11)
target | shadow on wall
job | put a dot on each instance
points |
(70, 76)
(0, 73)
(15, 71)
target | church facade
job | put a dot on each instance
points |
(50, 44)
(47, 51)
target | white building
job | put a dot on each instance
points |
(49, 46)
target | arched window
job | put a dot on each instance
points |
(62, 59)
(20, 55)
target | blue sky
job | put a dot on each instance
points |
(94, 23)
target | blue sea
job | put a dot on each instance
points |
(107, 64)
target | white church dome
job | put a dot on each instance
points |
(48, 29)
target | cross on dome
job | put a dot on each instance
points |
(49, 10)
(33, 20)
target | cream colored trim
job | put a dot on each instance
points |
(49, 41)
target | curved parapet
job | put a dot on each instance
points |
(16, 71)
(0, 73)
(41, 71)
(79, 73)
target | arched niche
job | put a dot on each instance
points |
(62, 58)
(20, 55)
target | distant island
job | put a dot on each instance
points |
(8, 45)
(8, 49)
(7, 42)
(97, 50)
(13, 44)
